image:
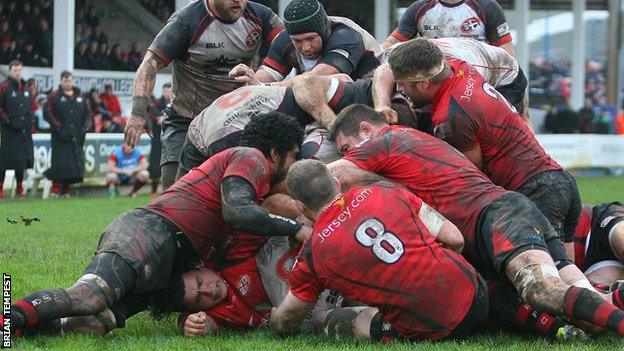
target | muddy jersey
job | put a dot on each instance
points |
(203, 49)
(232, 112)
(433, 170)
(370, 245)
(483, 20)
(193, 203)
(468, 113)
(350, 49)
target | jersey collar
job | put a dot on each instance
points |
(444, 87)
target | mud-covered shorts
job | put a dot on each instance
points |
(381, 330)
(604, 218)
(174, 130)
(194, 155)
(508, 226)
(556, 195)
(515, 91)
(150, 244)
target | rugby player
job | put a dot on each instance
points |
(148, 251)
(382, 246)
(220, 125)
(315, 42)
(507, 237)
(483, 20)
(599, 244)
(468, 113)
(202, 41)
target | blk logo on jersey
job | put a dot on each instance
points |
(431, 27)
(470, 25)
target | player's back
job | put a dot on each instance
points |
(473, 113)
(370, 245)
(433, 170)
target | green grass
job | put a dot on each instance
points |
(54, 251)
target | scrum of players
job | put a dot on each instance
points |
(421, 206)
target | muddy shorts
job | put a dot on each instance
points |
(604, 218)
(174, 130)
(515, 91)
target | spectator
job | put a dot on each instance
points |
(550, 121)
(86, 34)
(5, 30)
(12, 14)
(68, 114)
(41, 125)
(29, 18)
(156, 112)
(135, 57)
(78, 38)
(81, 17)
(45, 40)
(12, 54)
(16, 120)
(567, 121)
(126, 165)
(81, 58)
(117, 59)
(109, 126)
(586, 117)
(102, 57)
(91, 17)
(5, 50)
(111, 100)
(28, 56)
(19, 33)
(619, 123)
(602, 125)
(93, 56)
(98, 107)
(33, 86)
(98, 36)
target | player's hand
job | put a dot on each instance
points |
(196, 325)
(391, 116)
(303, 234)
(135, 127)
(159, 120)
(244, 74)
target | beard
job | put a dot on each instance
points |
(280, 173)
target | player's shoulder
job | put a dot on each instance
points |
(418, 5)
(246, 153)
(488, 6)
(191, 14)
(282, 40)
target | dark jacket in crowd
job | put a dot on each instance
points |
(16, 121)
(69, 119)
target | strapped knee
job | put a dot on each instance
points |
(339, 323)
(532, 275)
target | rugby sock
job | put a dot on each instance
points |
(508, 310)
(617, 298)
(41, 306)
(588, 306)
(56, 187)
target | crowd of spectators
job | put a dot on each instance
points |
(591, 119)
(92, 50)
(159, 8)
(25, 32)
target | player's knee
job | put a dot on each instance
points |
(112, 178)
(532, 282)
(143, 176)
(616, 240)
(339, 323)
(88, 295)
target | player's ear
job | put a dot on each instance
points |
(274, 156)
(366, 128)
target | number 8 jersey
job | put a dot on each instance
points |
(371, 245)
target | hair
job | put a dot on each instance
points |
(167, 85)
(14, 63)
(272, 131)
(310, 182)
(414, 56)
(66, 74)
(168, 300)
(407, 117)
(348, 120)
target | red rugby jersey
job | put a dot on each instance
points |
(467, 112)
(370, 245)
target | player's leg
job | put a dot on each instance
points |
(605, 273)
(106, 280)
(174, 130)
(111, 181)
(513, 231)
(190, 158)
(19, 178)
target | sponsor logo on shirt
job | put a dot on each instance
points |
(470, 24)
(347, 212)
(243, 284)
(431, 27)
(253, 38)
(233, 98)
(214, 45)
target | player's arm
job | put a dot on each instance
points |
(497, 30)
(197, 324)
(239, 209)
(350, 175)
(509, 48)
(142, 166)
(389, 42)
(310, 92)
(407, 29)
(288, 316)
(475, 156)
(441, 228)
(274, 67)
(382, 90)
(245, 74)
(342, 53)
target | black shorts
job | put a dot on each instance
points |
(192, 156)
(381, 330)
(150, 244)
(508, 226)
(174, 130)
(556, 195)
(515, 91)
(604, 218)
